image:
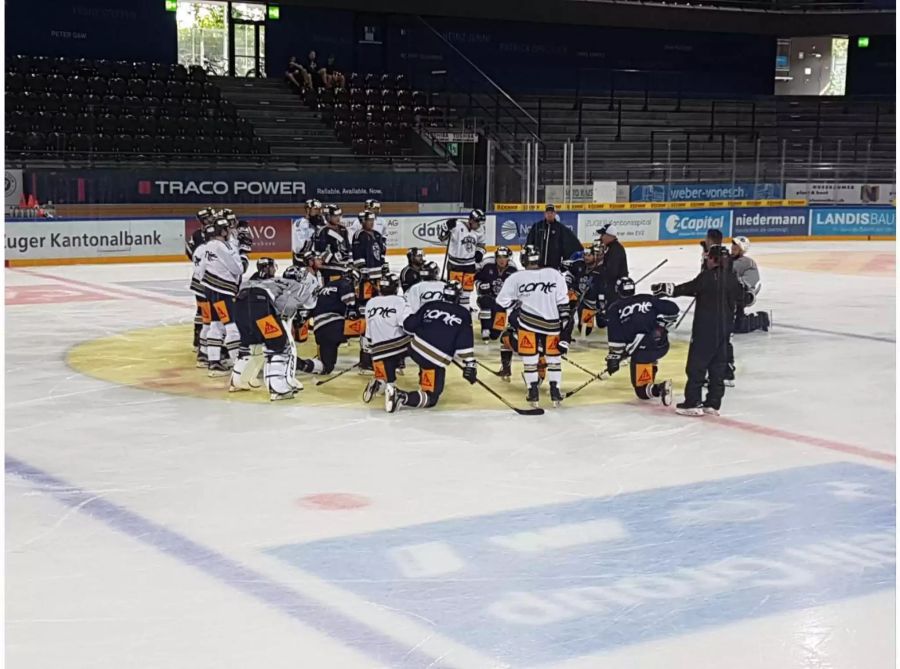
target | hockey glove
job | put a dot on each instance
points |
(470, 372)
(352, 313)
(663, 289)
(479, 256)
(614, 360)
(563, 347)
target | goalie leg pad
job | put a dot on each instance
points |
(280, 369)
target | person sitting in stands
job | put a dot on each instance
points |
(297, 74)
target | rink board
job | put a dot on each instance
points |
(548, 583)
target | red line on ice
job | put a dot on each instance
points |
(805, 439)
(100, 286)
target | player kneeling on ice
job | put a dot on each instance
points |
(387, 340)
(718, 292)
(441, 331)
(537, 301)
(264, 306)
(335, 303)
(638, 329)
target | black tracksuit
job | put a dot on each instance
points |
(562, 242)
(718, 292)
(613, 268)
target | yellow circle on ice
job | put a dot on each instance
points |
(161, 359)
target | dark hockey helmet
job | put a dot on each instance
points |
(232, 219)
(388, 284)
(366, 216)
(503, 252)
(429, 271)
(529, 256)
(266, 267)
(415, 256)
(223, 227)
(373, 205)
(313, 204)
(333, 210)
(476, 216)
(452, 292)
(719, 252)
(209, 230)
(625, 287)
(204, 214)
(293, 273)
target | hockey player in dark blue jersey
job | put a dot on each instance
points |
(336, 301)
(368, 257)
(580, 273)
(333, 238)
(488, 282)
(638, 328)
(441, 331)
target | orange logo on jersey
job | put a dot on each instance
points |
(269, 327)
(643, 374)
(468, 282)
(527, 343)
(426, 380)
(303, 334)
(500, 320)
(587, 316)
(222, 311)
(456, 276)
(378, 367)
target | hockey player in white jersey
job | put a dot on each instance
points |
(221, 272)
(387, 340)
(263, 308)
(538, 303)
(303, 229)
(197, 288)
(465, 251)
(427, 290)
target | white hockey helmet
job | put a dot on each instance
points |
(742, 243)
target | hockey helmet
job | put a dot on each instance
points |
(429, 270)
(366, 216)
(451, 292)
(742, 243)
(503, 252)
(388, 284)
(529, 256)
(415, 256)
(596, 249)
(477, 216)
(293, 273)
(332, 210)
(718, 253)
(222, 226)
(266, 267)
(204, 214)
(625, 287)
(209, 230)
(373, 205)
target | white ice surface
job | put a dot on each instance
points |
(81, 592)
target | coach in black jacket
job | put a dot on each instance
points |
(718, 292)
(554, 241)
(615, 261)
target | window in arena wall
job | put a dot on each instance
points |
(814, 66)
(203, 35)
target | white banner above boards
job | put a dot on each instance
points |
(94, 239)
(841, 193)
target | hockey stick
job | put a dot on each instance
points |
(486, 368)
(537, 411)
(690, 306)
(446, 251)
(575, 364)
(594, 377)
(651, 271)
(334, 376)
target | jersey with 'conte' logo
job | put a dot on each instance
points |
(384, 325)
(441, 331)
(542, 299)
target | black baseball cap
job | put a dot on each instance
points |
(550, 207)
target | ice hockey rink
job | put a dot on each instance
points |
(152, 522)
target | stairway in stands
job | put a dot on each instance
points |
(292, 131)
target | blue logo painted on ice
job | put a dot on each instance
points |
(540, 585)
(695, 224)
